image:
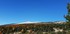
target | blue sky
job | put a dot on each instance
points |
(14, 11)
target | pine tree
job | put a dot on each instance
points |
(68, 14)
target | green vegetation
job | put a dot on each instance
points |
(68, 17)
(68, 14)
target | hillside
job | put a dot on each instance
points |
(24, 27)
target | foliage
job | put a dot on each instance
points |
(68, 14)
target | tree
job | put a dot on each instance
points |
(68, 14)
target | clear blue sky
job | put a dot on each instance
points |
(14, 11)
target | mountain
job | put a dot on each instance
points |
(59, 22)
(29, 22)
